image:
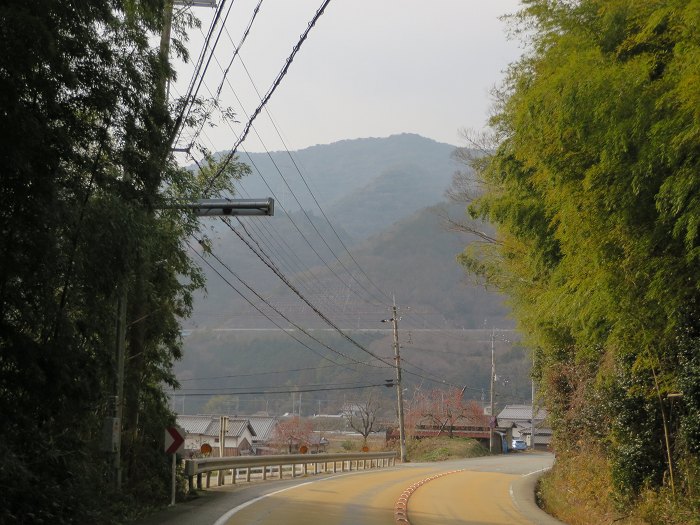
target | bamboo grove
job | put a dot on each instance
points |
(594, 189)
(85, 219)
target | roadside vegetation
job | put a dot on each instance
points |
(88, 236)
(591, 181)
(444, 448)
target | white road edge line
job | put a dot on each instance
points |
(510, 488)
(226, 516)
(537, 471)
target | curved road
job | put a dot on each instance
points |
(491, 490)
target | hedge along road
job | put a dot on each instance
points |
(491, 490)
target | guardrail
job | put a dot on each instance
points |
(264, 466)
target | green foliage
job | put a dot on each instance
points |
(347, 445)
(594, 192)
(86, 158)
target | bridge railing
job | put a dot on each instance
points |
(262, 467)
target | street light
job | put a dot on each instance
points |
(219, 207)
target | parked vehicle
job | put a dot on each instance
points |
(518, 444)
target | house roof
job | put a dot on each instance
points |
(234, 428)
(194, 424)
(208, 425)
(518, 413)
(264, 426)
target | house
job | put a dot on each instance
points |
(206, 429)
(264, 428)
(519, 418)
(318, 443)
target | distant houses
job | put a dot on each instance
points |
(519, 418)
(245, 435)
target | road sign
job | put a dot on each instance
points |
(174, 440)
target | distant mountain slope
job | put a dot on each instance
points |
(381, 189)
(415, 259)
(336, 171)
(382, 196)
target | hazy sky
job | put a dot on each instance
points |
(369, 68)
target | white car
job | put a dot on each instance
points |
(518, 444)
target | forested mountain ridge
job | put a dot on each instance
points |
(386, 212)
(336, 170)
(394, 227)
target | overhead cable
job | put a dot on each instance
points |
(286, 281)
(260, 311)
(297, 326)
(229, 157)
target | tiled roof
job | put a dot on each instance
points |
(234, 428)
(263, 426)
(210, 425)
(194, 424)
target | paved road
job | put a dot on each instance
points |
(492, 490)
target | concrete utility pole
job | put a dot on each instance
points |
(492, 417)
(532, 421)
(223, 423)
(399, 388)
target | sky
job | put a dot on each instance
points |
(369, 68)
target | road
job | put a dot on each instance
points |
(490, 490)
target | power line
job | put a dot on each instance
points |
(284, 316)
(228, 68)
(224, 79)
(318, 205)
(286, 281)
(198, 74)
(259, 310)
(268, 95)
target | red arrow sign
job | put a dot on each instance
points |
(174, 440)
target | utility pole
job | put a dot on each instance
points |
(492, 418)
(399, 389)
(223, 423)
(532, 425)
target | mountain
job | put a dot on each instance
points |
(385, 201)
(335, 171)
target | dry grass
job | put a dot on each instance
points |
(354, 442)
(444, 448)
(578, 491)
